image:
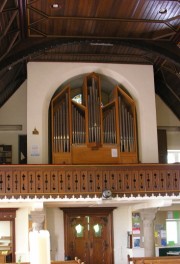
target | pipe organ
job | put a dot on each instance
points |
(92, 132)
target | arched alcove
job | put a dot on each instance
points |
(100, 129)
(45, 78)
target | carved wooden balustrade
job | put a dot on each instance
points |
(88, 180)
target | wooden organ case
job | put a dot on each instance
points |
(90, 132)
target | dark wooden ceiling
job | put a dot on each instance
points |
(106, 31)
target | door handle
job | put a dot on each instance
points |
(106, 245)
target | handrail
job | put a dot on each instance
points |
(89, 180)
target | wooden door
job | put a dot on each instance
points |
(88, 235)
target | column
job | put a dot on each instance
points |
(39, 240)
(37, 217)
(147, 217)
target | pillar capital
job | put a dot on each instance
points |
(38, 218)
(148, 214)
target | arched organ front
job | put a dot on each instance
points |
(90, 132)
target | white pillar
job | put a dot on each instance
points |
(147, 217)
(37, 217)
(39, 240)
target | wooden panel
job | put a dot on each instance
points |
(2, 182)
(98, 181)
(134, 181)
(9, 186)
(120, 178)
(84, 181)
(127, 181)
(149, 183)
(155, 180)
(69, 182)
(128, 158)
(91, 248)
(32, 181)
(61, 182)
(24, 182)
(3, 258)
(113, 181)
(105, 180)
(86, 155)
(54, 182)
(39, 182)
(62, 158)
(142, 179)
(175, 179)
(16, 181)
(91, 181)
(162, 180)
(76, 181)
(47, 181)
(105, 19)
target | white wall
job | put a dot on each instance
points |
(45, 78)
(166, 118)
(55, 226)
(122, 222)
(22, 234)
(14, 112)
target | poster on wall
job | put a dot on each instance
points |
(136, 223)
(136, 242)
(35, 150)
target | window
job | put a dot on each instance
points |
(78, 98)
(173, 232)
(173, 156)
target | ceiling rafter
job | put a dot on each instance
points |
(13, 40)
(139, 35)
(3, 5)
(15, 13)
(168, 86)
(40, 47)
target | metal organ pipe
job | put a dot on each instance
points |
(78, 126)
(61, 127)
(96, 119)
(126, 123)
(94, 125)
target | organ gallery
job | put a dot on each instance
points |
(93, 131)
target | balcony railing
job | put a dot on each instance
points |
(88, 180)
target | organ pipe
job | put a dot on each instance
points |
(91, 123)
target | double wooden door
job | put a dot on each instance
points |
(88, 235)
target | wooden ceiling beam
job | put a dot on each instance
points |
(108, 19)
(2, 5)
(10, 45)
(15, 13)
(170, 52)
